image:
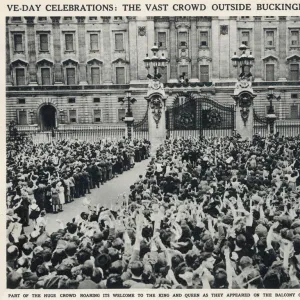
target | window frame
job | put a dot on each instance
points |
(274, 65)
(200, 38)
(298, 34)
(94, 98)
(48, 42)
(22, 44)
(267, 46)
(70, 100)
(50, 81)
(94, 121)
(208, 68)
(95, 67)
(158, 40)
(16, 77)
(290, 69)
(19, 100)
(179, 70)
(69, 117)
(115, 41)
(90, 42)
(119, 67)
(18, 116)
(75, 75)
(180, 45)
(65, 42)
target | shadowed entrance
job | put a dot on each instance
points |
(47, 117)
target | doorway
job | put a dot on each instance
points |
(48, 117)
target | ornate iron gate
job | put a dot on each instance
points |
(141, 129)
(260, 124)
(197, 115)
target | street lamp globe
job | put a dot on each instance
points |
(147, 61)
(162, 61)
(251, 59)
(243, 47)
(154, 49)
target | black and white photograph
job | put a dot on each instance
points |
(152, 152)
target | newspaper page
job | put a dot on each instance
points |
(150, 146)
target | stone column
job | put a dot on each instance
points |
(8, 60)
(173, 49)
(58, 78)
(82, 50)
(194, 50)
(31, 50)
(257, 48)
(243, 97)
(156, 114)
(107, 68)
(215, 48)
(133, 49)
(282, 49)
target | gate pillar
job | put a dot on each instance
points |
(156, 99)
(243, 96)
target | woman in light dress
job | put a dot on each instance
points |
(61, 195)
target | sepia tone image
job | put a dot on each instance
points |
(152, 152)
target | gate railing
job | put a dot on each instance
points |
(200, 116)
(81, 133)
(140, 129)
(260, 124)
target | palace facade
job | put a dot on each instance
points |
(68, 71)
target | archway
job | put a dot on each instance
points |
(47, 117)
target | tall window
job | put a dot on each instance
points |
(72, 116)
(18, 42)
(294, 111)
(119, 42)
(95, 75)
(162, 40)
(45, 74)
(183, 38)
(70, 76)
(184, 71)
(203, 39)
(294, 38)
(97, 115)
(120, 75)
(270, 76)
(69, 41)
(44, 46)
(246, 38)
(94, 41)
(270, 39)
(22, 117)
(204, 73)
(294, 72)
(20, 76)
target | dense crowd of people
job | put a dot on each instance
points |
(43, 178)
(208, 213)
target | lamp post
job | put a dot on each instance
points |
(243, 92)
(245, 62)
(271, 116)
(155, 61)
(128, 116)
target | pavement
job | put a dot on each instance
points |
(106, 196)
